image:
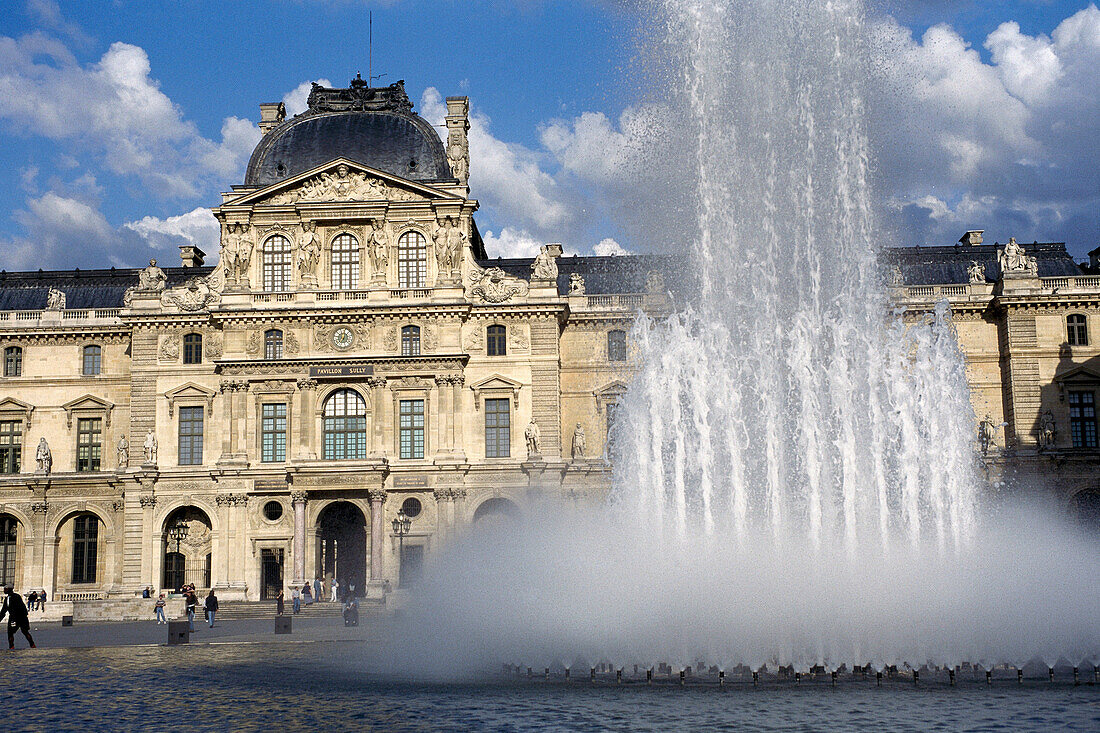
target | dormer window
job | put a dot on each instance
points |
(496, 342)
(273, 344)
(1077, 331)
(410, 341)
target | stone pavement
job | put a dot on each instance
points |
(136, 633)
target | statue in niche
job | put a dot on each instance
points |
(1047, 430)
(123, 452)
(580, 443)
(545, 266)
(150, 447)
(309, 249)
(976, 273)
(378, 244)
(987, 432)
(533, 438)
(55, 300)
(449, 240)
(1013, 259)
(152, 279)
(576, 284)
(43, 458)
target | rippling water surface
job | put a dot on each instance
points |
(247, 687)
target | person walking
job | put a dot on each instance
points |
(296, 599)
(211, 605)
(192, 602)
(317, 590)
(16, 611)
(158, 607)
(280, 603)
(333, 587)
(307, 594)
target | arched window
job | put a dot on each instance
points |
(345, 425)
(273, 344)
(616, 345)
(1077, 332)
(9, 528)
(85, 547)
(276, 264)
(345, 262)
(93, 360)
(496, 341)
(410, 341)
(192, 348)
(412, 261)
(13, 361)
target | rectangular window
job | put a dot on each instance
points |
(412, 428)
(13, 361)
(273, 433)
(498, 427)
(85, 548)
(192, 348)
(191, 436)
(11, 445)
(93, 360)
(1082, 419)
(89, 443)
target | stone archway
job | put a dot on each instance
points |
(190, 559)
(496, 512)
(342, 545)
(10, 529)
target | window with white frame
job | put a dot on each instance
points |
(276, 263)
(412, 261)
(345, 262)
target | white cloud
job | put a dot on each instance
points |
(114, 109)
(295, 100)
(608, 247)
(511, 243)
(48, 14)
(197, 227)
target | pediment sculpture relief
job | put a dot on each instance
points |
(494, 285)
(342, 184)
(196, 294)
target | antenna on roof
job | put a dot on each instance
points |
(370, 50)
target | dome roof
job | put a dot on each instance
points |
(373, 126)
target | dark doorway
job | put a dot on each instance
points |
(173, 570)
(412, 565)
(271, 573)
(342, 533)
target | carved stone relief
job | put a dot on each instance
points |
(390, 341)
(518, 338)
(169, 347)
(474, 342)
(493, 285)
(212, 345)
(343, 184)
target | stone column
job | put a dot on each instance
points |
(457, 384)
(458, 511)
(221, 567)
(240, 416)
(445, 510)
(445, 414)
(308, 388)
(229, 436)
(150, 551)
(298, 499)
(39, 510)
(377, 525)
(378, 412)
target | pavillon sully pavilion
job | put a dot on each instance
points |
(354, 358)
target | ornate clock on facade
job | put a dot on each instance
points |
(343, 338)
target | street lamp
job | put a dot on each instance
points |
(178, 533)
(402, 523)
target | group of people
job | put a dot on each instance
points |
(314, 593)
(190, 604)
(36, 600)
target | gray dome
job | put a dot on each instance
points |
(372, 126)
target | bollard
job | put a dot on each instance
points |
(1076, 680)
(1050, 671)
(721, 678)
(649, 676)
(989, 677)
(878, 679)
(1019, 676)
(283, 624)
(755, 677)
(681, 678)
(619, 675)
(951, 677)
(66, 620)
(179, 632)
(916, 676)
(833, 675)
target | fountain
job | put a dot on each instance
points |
(795, 478)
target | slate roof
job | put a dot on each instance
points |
(947, 265)
(602, 275)
(82, 288)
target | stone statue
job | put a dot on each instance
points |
(545, 266)
(459, 158)
(237, 253)
(532, 436)
(378, 244)
(987, 431)
(896, 277)
(152, 279)
(1013, 259)
(1047, 430)
(655, 282)
(123, 452)
(576, 284)
(580, 443)
(309, 249)
(449, 240)
(55, 300)
(976, 273)
(150, 448)
(43, 458)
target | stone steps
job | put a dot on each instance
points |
(235, 610)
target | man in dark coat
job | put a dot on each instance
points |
(16, 611)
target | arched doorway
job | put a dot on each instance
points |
(187, 548)
(495, 512)
(342, 540)
(9, 535)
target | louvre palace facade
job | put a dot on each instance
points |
(354, 358)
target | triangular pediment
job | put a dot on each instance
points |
(1078, 375)
(88, 403)
(496, 381)
(341, 181)
(614, 389)
(10, 404)
(189, 390)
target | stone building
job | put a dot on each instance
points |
(352, 360)
(355, 359)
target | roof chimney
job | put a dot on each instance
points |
(191, 255)
(271, 114)
(974, 236)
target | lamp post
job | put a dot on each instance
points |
(402, 523)
(178, 533)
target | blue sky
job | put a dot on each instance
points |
(120, 121)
